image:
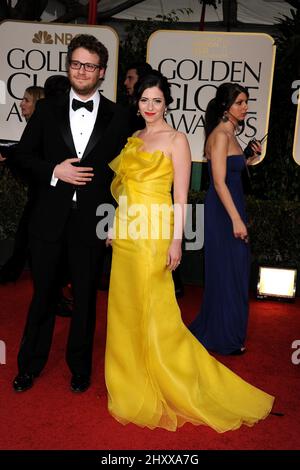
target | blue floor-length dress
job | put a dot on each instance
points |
(221, 325)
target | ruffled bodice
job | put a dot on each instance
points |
(140, 172)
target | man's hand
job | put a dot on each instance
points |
(77, 175)
(2, 159)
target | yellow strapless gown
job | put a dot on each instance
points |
(157, 374)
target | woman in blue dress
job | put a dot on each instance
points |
(221, 325)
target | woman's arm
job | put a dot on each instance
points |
(181, 158)
(219, 151)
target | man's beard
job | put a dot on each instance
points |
(84, 89)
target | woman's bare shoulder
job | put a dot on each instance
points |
(218, 136)
(217, 140)
(179, 137)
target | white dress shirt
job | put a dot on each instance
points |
(82, 124)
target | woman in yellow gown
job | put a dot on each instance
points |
(157, 373)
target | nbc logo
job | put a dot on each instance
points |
(42, 37)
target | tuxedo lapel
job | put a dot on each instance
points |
(64, 124)
(103, 118)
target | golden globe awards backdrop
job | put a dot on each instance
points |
(296, 147)
(31, 52)
(196, 63)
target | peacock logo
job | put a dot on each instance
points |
(42, 37)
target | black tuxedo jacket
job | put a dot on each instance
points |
(46, 141)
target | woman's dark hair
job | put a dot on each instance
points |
(56, 85)
(152, 79)
(90, 43)
(225, 97)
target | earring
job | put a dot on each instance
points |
(138, 112)
(165, 113)
(225, 118)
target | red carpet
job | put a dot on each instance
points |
(49, 416)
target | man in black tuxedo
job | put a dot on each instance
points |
(65, 148)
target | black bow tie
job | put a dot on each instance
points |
(76, 104)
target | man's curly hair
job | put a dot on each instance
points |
(90, 43)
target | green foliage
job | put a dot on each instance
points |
(278, 176)
(135, 44)
(134, 47)
(12, 201)
(274, 225)
(274, 228)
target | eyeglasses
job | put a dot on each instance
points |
(76, 65)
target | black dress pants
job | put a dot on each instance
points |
(83, 258)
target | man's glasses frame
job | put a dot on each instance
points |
(76, 65)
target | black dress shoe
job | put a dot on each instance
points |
(178, 284)
(179, 292)
(80, 383)
(238, 352)
(64, 307)
(23, 382)
(9, 274)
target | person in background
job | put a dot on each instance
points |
(31, 96)
(14, 266)
(134, 73)
(221, 325)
